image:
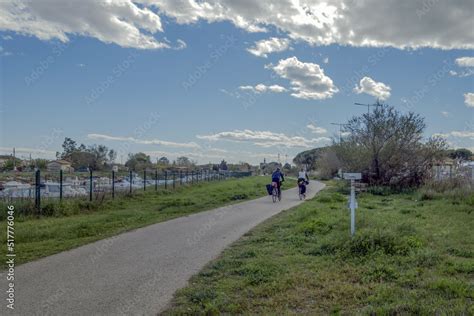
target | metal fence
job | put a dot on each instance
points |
(94, 185)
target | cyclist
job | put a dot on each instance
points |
(303, 180)
(302, 176)
(276, 176)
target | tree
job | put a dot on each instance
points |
(95, 156)
(112, 155)
(163, 161)
(69, 146)
(461, 154)
(223, 165)
(308, 158)
(387, 147)
(183, 161)
(138, 161)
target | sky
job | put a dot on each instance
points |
(234, 80)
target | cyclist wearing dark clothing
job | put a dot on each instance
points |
(278, 177)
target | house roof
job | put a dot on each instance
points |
(61, 162)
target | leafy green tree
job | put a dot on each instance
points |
(138, 161)
(461, 154)
(183, 161)
(163, 161)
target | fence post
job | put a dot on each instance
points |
(130, 178)
(187, 176)
(166, 179)
(113, 184)
(180, 177)
(156, 179)
(90, 185)
(144, 180)
(60, 184)
(38, 190)
(174, 180)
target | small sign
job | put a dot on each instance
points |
(352, 176)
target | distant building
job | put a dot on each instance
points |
(57, 165)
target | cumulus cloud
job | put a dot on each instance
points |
(120, 22)
(265, 138)
(377, 89)
(466, 65)
(445, 24)
(316, 129)
(308, 80)
(261, 88)
(465, 61)
(143, 141)
(469, 99)
(264, 47)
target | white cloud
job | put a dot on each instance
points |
(445, 24)
(264, 47)
(265, 138)
(180, 44)
(143, 141)
(308, 80)
(326, 60)
(377, 89)
(261, 88)
(24, 152)
(469, 99)
(445, 113)
(316, 129)
(456, 134)
(465, 61)
(121, 22)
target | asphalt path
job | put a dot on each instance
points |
(136, 273)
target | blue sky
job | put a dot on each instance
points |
(198, 96)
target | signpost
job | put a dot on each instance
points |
(352, 200)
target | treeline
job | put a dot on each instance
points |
(100, 157)
(386, 146)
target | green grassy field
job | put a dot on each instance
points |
(413, 253)
(77, 223)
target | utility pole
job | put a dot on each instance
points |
(376, 104)
(14, 159)
(340, 130)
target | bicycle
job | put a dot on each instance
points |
(302, 189)
(276, 193)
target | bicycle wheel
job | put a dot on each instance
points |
(279, 194)
(274, 194)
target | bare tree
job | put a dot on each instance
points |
(387, 146)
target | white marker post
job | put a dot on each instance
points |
(352, 201)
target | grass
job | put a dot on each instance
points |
(410, 255)
(75, 223)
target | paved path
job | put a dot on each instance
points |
(136, 273)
